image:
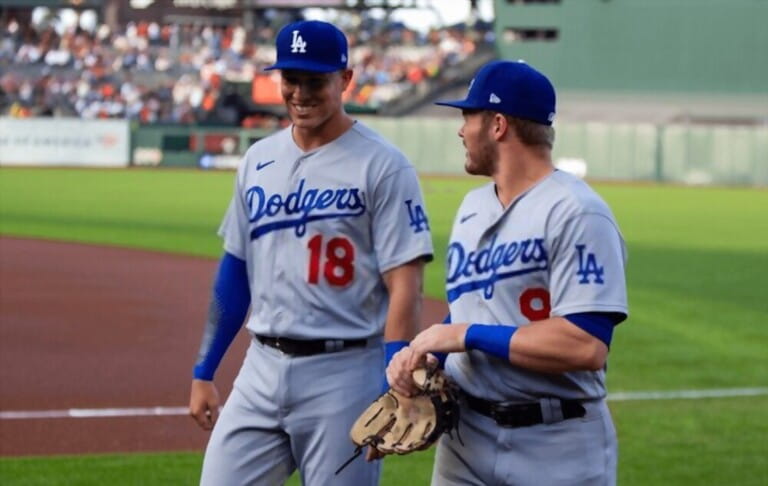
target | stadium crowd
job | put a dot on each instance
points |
(174, 73)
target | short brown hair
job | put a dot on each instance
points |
(530, 133)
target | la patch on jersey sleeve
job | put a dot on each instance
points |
(400, 221)
(588, 267)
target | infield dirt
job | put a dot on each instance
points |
(85, 326)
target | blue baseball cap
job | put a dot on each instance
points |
(311, 45)
(513, 88)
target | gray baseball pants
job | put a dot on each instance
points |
(579, 451)
(289, 412)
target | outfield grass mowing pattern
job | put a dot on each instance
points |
(697, 273)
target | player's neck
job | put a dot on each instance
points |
(311, 138)
(520, 171)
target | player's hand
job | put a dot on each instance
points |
(204, 403)
(400, 376)
(437, 338)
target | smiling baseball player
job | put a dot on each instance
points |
(325, 239)
(535, 285)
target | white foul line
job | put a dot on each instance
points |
(175, 411)
(94, 413)
(687, 394)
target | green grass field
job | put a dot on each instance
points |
(698, 274)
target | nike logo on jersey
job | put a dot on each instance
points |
(467, 217)
(261, 165)
(481, 269)
(299, 207)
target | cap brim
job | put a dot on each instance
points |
(315, 67)
(460, 104)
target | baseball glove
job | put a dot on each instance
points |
(396, 424)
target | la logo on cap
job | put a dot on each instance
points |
(298, 44)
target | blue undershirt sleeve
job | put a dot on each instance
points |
(598, 324)
(230, 300)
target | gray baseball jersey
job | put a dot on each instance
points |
(324, 224)
(555, 250)
(316, 229)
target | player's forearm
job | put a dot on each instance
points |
(402, 322)
(555, 346)
(404, 284)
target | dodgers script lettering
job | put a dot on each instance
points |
(272, 212)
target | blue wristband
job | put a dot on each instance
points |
(490, 338)
(390, 348)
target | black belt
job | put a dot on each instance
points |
(520, 414)
(301, 347)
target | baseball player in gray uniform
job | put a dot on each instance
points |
(535, 285)
(325, 240)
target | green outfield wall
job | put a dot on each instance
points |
(190, 146)
(689, 46)
(679, 153)
(671, 152)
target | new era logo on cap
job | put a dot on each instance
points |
(513, 88)
(311, 45)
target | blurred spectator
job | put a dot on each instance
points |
(171, 73)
